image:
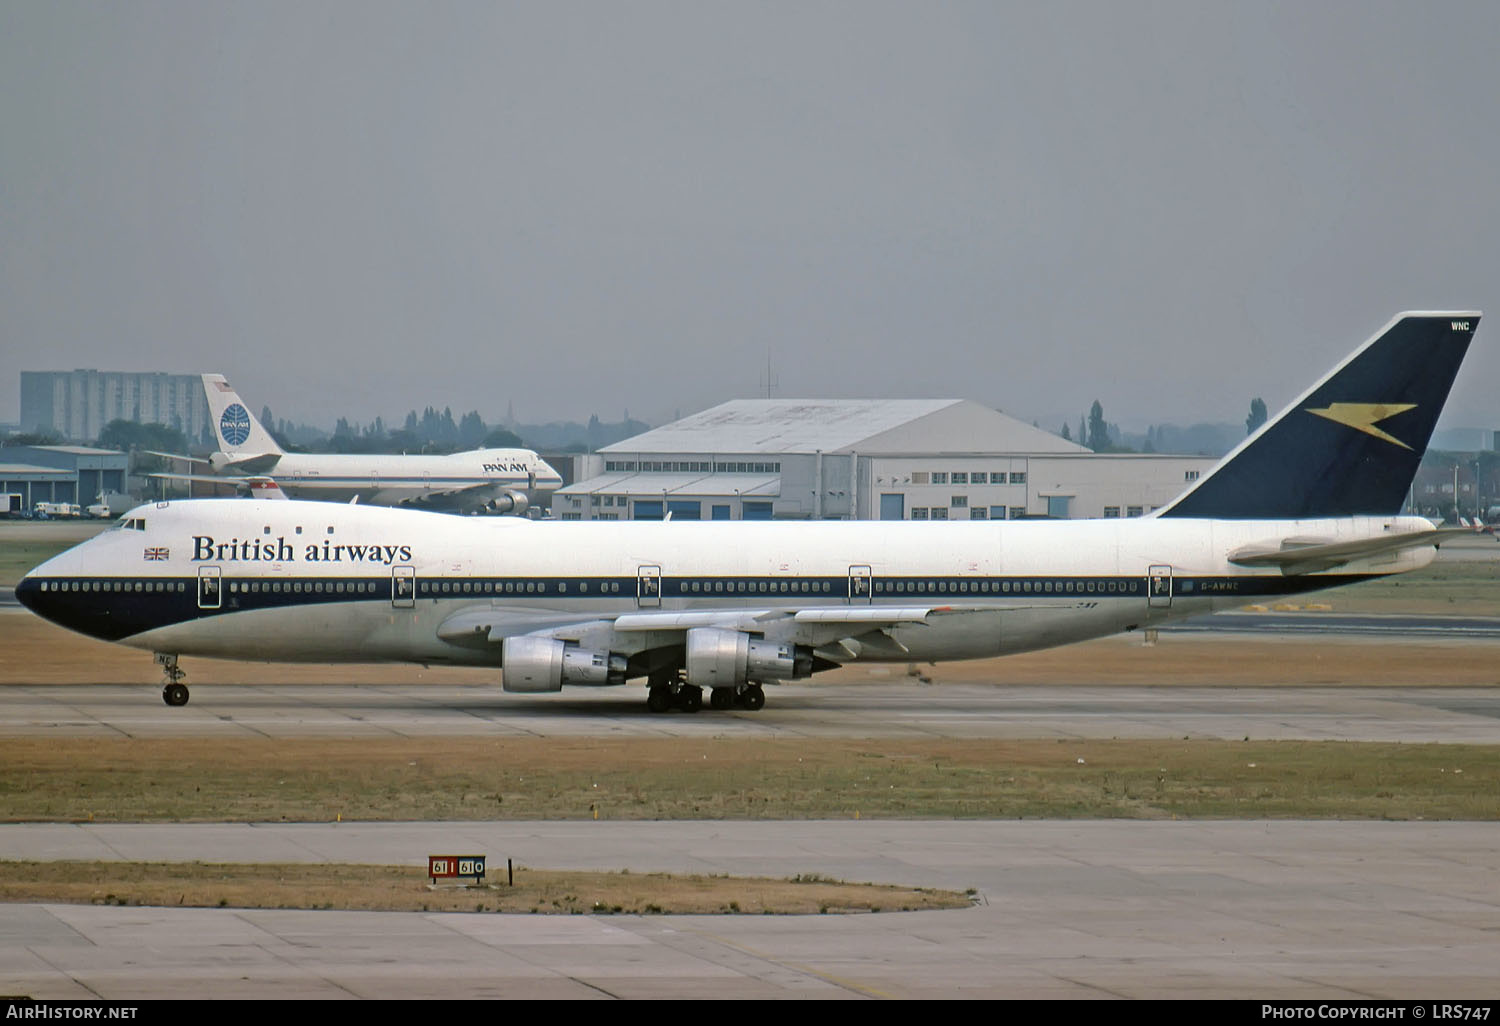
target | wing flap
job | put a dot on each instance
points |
(867, 615)
(671, 620)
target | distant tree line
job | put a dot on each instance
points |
(1202, 439)
(436, 431)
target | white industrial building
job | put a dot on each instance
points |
(79, 404)
(864, 459)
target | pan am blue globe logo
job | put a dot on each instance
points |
(234, 425)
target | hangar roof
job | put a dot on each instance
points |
(889, 426)
(77, 450)
(18, 470)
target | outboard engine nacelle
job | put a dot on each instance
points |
(718, 658)
(530, 665)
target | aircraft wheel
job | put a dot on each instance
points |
(175, 694)
(659, 699)
(753, 698)
(690, 698)
(721, 698)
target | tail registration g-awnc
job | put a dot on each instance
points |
(1308, 502)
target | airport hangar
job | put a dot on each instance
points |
(62, 473)
(864, 459)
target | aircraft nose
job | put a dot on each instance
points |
(29, 594)
(26, 593)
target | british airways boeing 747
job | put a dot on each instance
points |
(1310, 501)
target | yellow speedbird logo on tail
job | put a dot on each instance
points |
(1364, 417)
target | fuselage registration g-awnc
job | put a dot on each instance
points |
(1309, 501)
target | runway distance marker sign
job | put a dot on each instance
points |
(455, 867)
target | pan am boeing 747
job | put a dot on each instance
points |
(1310, 501)
(481, 480)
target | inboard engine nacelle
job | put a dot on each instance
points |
(719, 658)
(514, 503)
(532, 665)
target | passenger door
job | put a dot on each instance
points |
(648, 587)
(403, 587)
(861, 585)
(1159, 587)
(210, 588)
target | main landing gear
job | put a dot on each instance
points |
(663, 695)
(173, 691)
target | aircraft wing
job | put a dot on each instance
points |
(177, 456)
(203, 478)
(253, 486)
(834, 633)
(484, 495)
(1294, 556)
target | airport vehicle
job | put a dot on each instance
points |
(1310, 501)
(57, 510)
(480, 480)
(12, 504)
(98, 510)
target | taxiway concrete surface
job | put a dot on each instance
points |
(1251, 910)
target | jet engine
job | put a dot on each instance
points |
(532, 665)
(514, 503)
(719, 658)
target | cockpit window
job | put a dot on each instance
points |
(130, 524)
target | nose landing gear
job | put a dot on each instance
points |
(173, 691)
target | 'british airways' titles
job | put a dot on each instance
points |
(259, 550)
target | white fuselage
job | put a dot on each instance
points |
(388, 480)
(323, 582)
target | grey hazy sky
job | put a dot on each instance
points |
(356, 208)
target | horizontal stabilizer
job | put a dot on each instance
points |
(264, 488)
(1309, 555)
(259, 464)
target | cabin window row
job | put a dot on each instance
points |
(511, 587)
(681, 587)
(300, 587)
(1023, 587)
(757, 587)
(114, 586)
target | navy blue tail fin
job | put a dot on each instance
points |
(1351, 444)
